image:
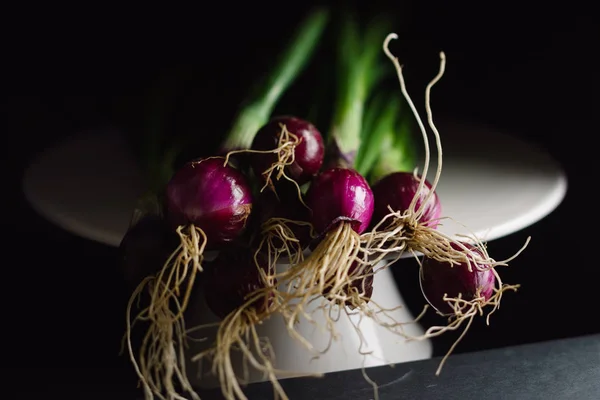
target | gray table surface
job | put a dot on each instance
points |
(559, 369)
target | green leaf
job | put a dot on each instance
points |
(259, 105)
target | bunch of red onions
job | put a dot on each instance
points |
(295, 222)
(212, 205)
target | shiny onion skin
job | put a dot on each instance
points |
(308, 155)
(439, 278)
(397, 191)
(340, 194)
(231, 277)
(213, 197)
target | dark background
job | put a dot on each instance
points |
(527, 68)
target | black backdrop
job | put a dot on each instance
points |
(526, 68)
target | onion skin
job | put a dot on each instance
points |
(439, 278)
(145, 248)
(308, 154)
(397, 191)
(212, 196)
(231, 277)
(340, 194)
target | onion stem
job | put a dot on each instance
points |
(257, 109)
(358, 72)
(391, 150)
(380, 120)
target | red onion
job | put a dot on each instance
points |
(145, 248)
(439, 278)
(212, 196)
(340, 194)
(308, 154)
(230, 278)
(397, 190)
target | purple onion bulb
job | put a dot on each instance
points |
(145, 248)
(397, 190)
(230, 278)
(212, 196)
(308, 154)
(340, 194)
(439, 278)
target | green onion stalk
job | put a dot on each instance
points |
(359, 70)
(397, 152)
(258, 107)
(388, 144)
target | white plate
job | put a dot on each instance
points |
(492, 184)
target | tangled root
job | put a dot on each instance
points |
(466, 310)
(286, 156)
(356, 290)
(278, 240)
(355, 299)
(238, 332)
(404, 233)
(161, 355)
(327, 268)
